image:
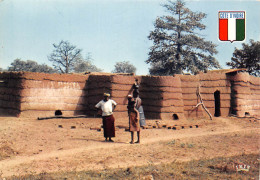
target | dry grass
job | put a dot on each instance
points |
(176, 170)
(5, 150)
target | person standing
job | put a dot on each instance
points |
(107, 106)
(133, 115)
(138, 103)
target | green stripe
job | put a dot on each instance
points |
(240, 29)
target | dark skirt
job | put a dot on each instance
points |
(142, 117)
(109, 126)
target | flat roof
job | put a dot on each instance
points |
(226, 70)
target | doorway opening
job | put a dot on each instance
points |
(217, 103)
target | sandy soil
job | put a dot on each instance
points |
(30, 146)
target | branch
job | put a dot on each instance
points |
(201, 103)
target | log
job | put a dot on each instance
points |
(61, 117)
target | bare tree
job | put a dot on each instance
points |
(64, 56)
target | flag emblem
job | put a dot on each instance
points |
(231, 25)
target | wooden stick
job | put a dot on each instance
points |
(203, 105)
(61, 117)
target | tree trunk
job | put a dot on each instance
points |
(67, 65)
(178, 67)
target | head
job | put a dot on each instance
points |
(135, 94)
(106, 96)
(129, 97)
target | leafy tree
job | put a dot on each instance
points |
(29, 65)
(64, 56)
(248, 57)
(177, 46)
(124, 67)
(85, 65)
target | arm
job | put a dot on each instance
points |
(98, 108)
(113, 105)
(138, 103)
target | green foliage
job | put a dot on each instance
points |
(124, 67)
(176, 44)
(248, 57)
(64, 56)
(85, 65)
(29, 65)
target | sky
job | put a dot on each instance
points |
(110, 30)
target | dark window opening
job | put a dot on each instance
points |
(247, 114)
(58, 113)
(175, 117)
(217, 103)
(233, 100)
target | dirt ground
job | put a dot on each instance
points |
(31, 146)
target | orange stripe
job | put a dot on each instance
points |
(223, 29)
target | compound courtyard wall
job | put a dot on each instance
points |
(189, 89)
(255, 96)
(246, 95)
(29, 94)
(10, 90)
(162, 97)
(38, 94)
(211, 83)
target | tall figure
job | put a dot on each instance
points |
(134, 124)
(138, 103)
(107, 106)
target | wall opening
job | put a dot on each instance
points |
(58, 113)
(247, 114)
(217, 103)
(175, 117)
(233, 99)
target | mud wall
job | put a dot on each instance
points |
(10, 90)
(189, 87)
(39, 94)
(162, 97)
(215, 90)
(121, 86)
(245, 95)
(255, 96)
(95, 88)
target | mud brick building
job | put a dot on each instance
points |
(224, 92)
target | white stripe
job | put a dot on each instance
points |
(231, 29)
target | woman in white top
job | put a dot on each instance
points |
(108, 106)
